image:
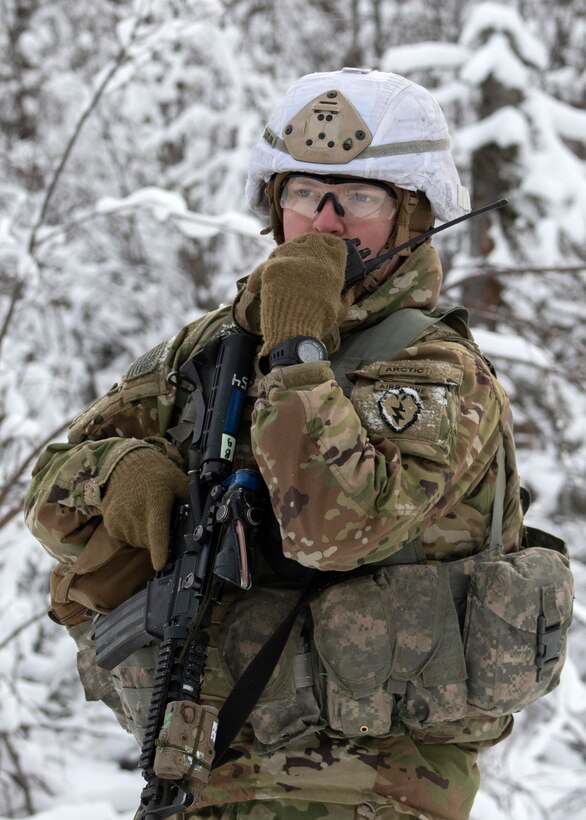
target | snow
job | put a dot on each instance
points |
(514, 348)
(569, 122)
(168, 205)
(496, 17)
(148, 228)
(498, 61)
(88, 811)
(505, 127)
(405, 59)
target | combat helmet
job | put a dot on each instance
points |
(363, 123)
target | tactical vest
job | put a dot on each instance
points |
(408, 643)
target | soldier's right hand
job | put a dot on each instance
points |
(300, 287)
(139, 498)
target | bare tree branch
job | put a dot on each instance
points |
(118, 61)
(22, 628)
(19, 776)
(492, 272)
(18, 290)
(14, 299)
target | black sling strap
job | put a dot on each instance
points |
(250, 685)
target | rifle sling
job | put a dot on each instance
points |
(249, 686)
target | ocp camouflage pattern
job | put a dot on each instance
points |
(411, 455)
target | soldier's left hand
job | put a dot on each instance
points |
(139, 498)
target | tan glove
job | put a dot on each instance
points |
(139, 500)
(299, 286)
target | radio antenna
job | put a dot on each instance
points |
(357, 269)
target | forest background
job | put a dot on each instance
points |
(125, 134)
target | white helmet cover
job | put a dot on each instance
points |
(410, 143)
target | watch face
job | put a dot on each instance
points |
(310, 350)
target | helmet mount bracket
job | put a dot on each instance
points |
(327, 130)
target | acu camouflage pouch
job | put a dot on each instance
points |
(391, 649)
(518, 614)
(419, 644)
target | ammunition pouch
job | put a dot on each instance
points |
(391, 651)
(410, 645)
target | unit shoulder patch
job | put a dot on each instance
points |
(415, 403)
(400, 407)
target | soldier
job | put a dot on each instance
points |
(378, 440)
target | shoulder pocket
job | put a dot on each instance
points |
(119, 412)
(518, 616)
(414, 403)
(146, 376)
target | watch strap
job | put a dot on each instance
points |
(285, 353)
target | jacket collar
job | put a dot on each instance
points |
(416, 283)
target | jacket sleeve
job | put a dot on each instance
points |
(63, 507)
(353, 480)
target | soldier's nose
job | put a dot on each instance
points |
(327, 220)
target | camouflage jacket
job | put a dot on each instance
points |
(411, 454)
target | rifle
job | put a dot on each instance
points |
(208, 548)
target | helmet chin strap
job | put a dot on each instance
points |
(357, 269)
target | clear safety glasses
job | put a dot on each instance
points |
(307, 196)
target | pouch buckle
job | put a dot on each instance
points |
(549, 644)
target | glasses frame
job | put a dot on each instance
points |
(334, 179)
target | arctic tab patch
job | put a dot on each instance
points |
(400, 407)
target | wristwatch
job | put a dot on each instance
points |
(298, 350)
